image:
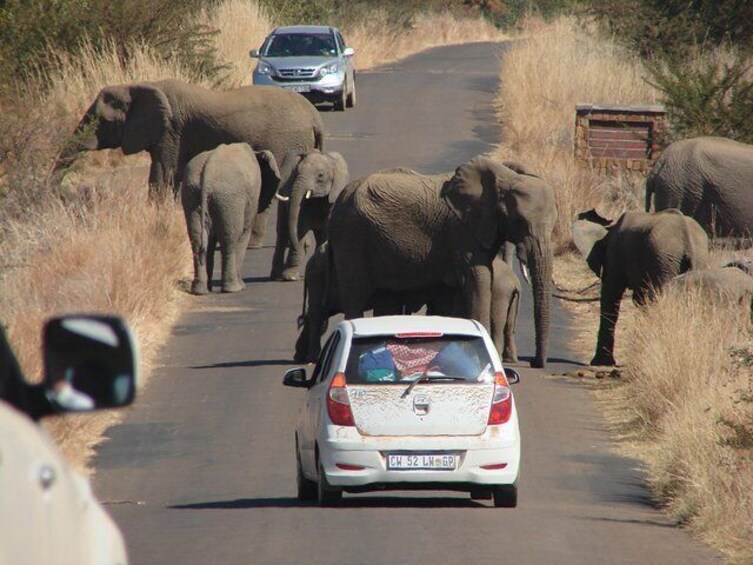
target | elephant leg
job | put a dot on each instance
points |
(230, 279)
(510, 352)
(211, 249)
(281, 243)
(387, 303)
(478, 289)
(198, 239)
(242, 244)
(611, 295)
(260, 228)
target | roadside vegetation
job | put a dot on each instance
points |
(683, 403)
(92, 242)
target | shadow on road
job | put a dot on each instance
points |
(254, 363)
(347, 502)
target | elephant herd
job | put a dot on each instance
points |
(396, 241)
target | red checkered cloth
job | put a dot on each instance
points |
(411, 359)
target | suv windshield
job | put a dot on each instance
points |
(389, 359)
(301, 45)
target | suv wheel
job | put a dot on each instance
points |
(350, 101)
(327, 494)
(340, 99)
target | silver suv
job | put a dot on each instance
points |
(312, 60)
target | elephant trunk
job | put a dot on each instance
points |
(540, 259)
(83, 139)
(297, 195)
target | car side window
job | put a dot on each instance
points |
(341, 41)
(323, 356)
(333, 343)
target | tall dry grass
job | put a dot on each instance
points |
(377, 43)
(691, 401)
(542, 78)
(687, 399)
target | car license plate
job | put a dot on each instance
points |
(421, 462)
(298, 87)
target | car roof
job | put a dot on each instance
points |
(389, 325)
(304, 29)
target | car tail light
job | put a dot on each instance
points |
(408, 335)
(349, 467)
(494, 466)
(338, 405)
(501, 400)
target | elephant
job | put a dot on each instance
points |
(399, 230)
(222, 192)
(321, 300)
(729, 283)
(709, 179)
(641, 251)
(311, 182)
(174, 121)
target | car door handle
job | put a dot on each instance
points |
(46, 476)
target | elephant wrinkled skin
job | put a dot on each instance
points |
(729, 284)
(709, 179)
(174, 121)
(399, 230)
(311, 182)
(640, 251)
(321, 300)
(222, 192)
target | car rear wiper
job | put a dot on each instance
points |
(427, 376)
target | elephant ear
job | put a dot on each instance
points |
(289, 164)
(270, 173)
(148, 116)
(340, 177)
(473, 194)
(590, 234)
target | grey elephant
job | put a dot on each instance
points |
(399, 230)
(321, 300)
(174, 121)
(641, 251)
(729, 283)
(709, 179)
(311, 182)
(222, 192)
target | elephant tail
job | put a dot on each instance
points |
(319, 137)
(204, 243)
(649, 190)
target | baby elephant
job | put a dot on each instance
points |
(223, 190)
(730, 283)
(639, 251)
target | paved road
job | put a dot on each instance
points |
(202, 469)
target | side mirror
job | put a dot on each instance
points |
(513, 377)
(349, 52)
(90, 363)
(297, 378)
(254, 53)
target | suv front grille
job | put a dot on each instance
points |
(296, 74)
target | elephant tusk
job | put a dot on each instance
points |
(308, 194)
(281, 198)
(526, 274)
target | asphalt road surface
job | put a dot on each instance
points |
(202, 469)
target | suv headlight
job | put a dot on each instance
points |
(329, 69)
(265, 69)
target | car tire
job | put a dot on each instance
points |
(327, 494)
(350, 101)
(340, 99)
(506, 496)
(307, 491)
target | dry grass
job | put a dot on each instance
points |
(543, 77)
(686, 400)
(376, 43)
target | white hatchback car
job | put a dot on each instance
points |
(407, 402)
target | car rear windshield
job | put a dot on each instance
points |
(301, 45)
(390, 359)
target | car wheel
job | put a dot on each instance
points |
(306, 489)
(327, 494)
(350, 101)
(506, 496)
(340, 99)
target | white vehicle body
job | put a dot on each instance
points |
(47, 510)
(405, 435)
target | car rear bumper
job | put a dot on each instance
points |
(494, 447)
